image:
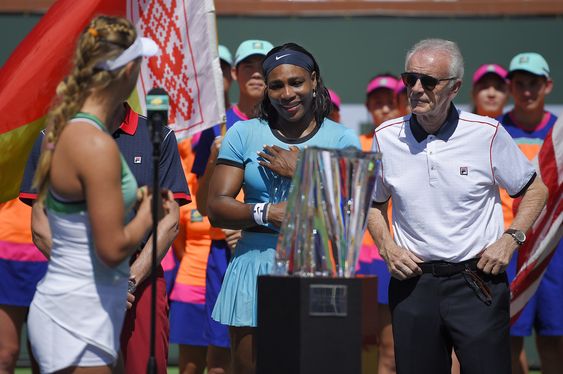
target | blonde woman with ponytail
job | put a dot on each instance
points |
(88, 192)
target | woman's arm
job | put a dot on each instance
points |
(227, 212)
(222, 207)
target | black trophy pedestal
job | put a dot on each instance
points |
(316, 325)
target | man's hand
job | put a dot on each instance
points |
(232, 237)
(402, 263)
(279, 160)
(496, 257)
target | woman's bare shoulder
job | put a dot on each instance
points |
(87, 140)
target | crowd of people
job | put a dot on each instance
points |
(441, 247)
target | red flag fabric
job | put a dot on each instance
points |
(187, 66)
(546, 233)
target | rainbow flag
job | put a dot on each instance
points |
(187, 66)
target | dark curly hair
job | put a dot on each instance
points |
(321, 103)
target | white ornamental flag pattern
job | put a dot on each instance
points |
(187, 65)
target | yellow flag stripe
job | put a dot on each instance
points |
(16, 146)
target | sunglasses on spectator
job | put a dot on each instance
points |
(428, 82)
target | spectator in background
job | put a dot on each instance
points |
(335, 111)
(203, 343)
(403, 105)
(226, 60)
(528, 123)
(490, 90)
(189, 326)
(247, 71)
(22, 265)
(381, 103)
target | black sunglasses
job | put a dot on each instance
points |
(478, 286)
(428, 82)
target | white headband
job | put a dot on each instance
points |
(141, 47)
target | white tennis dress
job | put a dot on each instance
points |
(77, 312)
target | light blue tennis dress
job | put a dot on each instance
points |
(255, 251)
(77, 312)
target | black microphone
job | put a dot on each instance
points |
(157, 111)
(157, 116)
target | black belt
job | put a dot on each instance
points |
(261, 229)
(446, 269)
(470, 272)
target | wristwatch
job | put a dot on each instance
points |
(518, 235)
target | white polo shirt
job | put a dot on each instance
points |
(445, 187)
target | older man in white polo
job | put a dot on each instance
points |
(443, 168)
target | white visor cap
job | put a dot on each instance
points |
(141, 47)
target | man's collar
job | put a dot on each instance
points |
(130, 122)
(445, 131)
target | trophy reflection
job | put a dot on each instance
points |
(326, 214)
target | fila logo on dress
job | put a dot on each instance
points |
(137, 159)
(463, 170)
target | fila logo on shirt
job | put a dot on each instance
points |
(137, 160)
(463, 170)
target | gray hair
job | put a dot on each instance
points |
(442, 45)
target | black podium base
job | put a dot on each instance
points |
(315, 325)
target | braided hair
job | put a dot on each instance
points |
(104, 38)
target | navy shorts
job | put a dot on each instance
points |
(219, 256)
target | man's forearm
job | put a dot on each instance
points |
(141, 267)
(378, 226)
(531, 205)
